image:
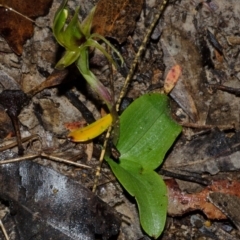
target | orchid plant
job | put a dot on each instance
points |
(77, 38)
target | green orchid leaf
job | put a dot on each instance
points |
(147, 131)
(150, 192)
(146, 134)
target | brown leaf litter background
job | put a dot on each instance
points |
(200, 36)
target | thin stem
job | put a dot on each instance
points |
(44, 155)
(98, 169)
(13, 10)
(4, 230)
(140, 52)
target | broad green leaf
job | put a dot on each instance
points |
(150, 192)
(147, 131)
(146, 134)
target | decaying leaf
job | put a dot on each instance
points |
(14, 27)
(116, 19)
(6, 128)
(48, 205)
(180, 202)
(228, 204)
(56, 78)
(212, 153)
(172, 78)
(175, 42)
(13, 101)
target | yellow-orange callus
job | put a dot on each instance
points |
(91, 131)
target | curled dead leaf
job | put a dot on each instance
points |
(181, 202)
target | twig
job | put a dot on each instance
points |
(50, 157)
(18, 159)
(98, 169)
(235, 91)
(196, 125)
(13, 144)
(58, 159)
(4, 230)
(140, 52)
(184, 177)
(74, 100)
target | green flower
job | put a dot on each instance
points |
(76, 38)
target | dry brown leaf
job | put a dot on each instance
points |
(228, 204)
(178, 49)
(6, 128)
(14, 27)
(172, 78)
(116, 18)
(181, 202)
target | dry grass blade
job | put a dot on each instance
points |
(13, 10)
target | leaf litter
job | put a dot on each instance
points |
(15, 17)
(181, 40)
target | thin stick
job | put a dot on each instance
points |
(98, 169)
(4, 230)
(13, 144)
(58, 159)
(140, 52)
(50, 157)
(29, 157)
(126, 83)
(13, 10)
(196, 125)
